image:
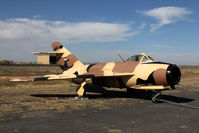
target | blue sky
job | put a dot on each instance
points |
(95, 30)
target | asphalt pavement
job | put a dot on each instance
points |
(133, 115)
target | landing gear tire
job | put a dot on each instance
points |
(81, 98)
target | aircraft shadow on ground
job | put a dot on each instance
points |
(119, 94)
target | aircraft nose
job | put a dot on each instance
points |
(173, 75)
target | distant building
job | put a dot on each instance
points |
(46, 59)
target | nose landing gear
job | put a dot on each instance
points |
(155, 98)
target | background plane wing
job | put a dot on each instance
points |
(47, 52)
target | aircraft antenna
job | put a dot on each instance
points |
(121, 57)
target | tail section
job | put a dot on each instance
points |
(67, 59)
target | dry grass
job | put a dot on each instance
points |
(25, 97)
(188, 71)
(28, 70)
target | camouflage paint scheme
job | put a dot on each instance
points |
(140, 74)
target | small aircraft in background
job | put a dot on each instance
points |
(137, 72)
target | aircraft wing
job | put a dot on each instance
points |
(46, 77)
(109, 74)
(73, 76)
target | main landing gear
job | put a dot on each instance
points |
(81, 91)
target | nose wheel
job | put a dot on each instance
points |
(156, 97)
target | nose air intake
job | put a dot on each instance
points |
(173, 75)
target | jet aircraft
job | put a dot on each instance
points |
(137, 72)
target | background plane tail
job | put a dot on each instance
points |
(66, 59)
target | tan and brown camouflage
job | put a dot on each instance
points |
(138, 72)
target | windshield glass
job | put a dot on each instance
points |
(141, 58)
(135, 58)
(145, 59)
(150, 58)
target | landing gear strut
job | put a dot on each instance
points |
(155, 97)
(81, 92)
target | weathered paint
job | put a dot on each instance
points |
(160, 77)
(143, 71)
(125, 67)
(72, 60)
(137, 75)
(96, 69)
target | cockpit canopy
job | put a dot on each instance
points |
(143, 58)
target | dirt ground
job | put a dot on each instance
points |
(50, 106)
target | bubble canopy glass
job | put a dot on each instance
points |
(141, 58)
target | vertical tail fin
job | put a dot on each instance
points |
(67, 59)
